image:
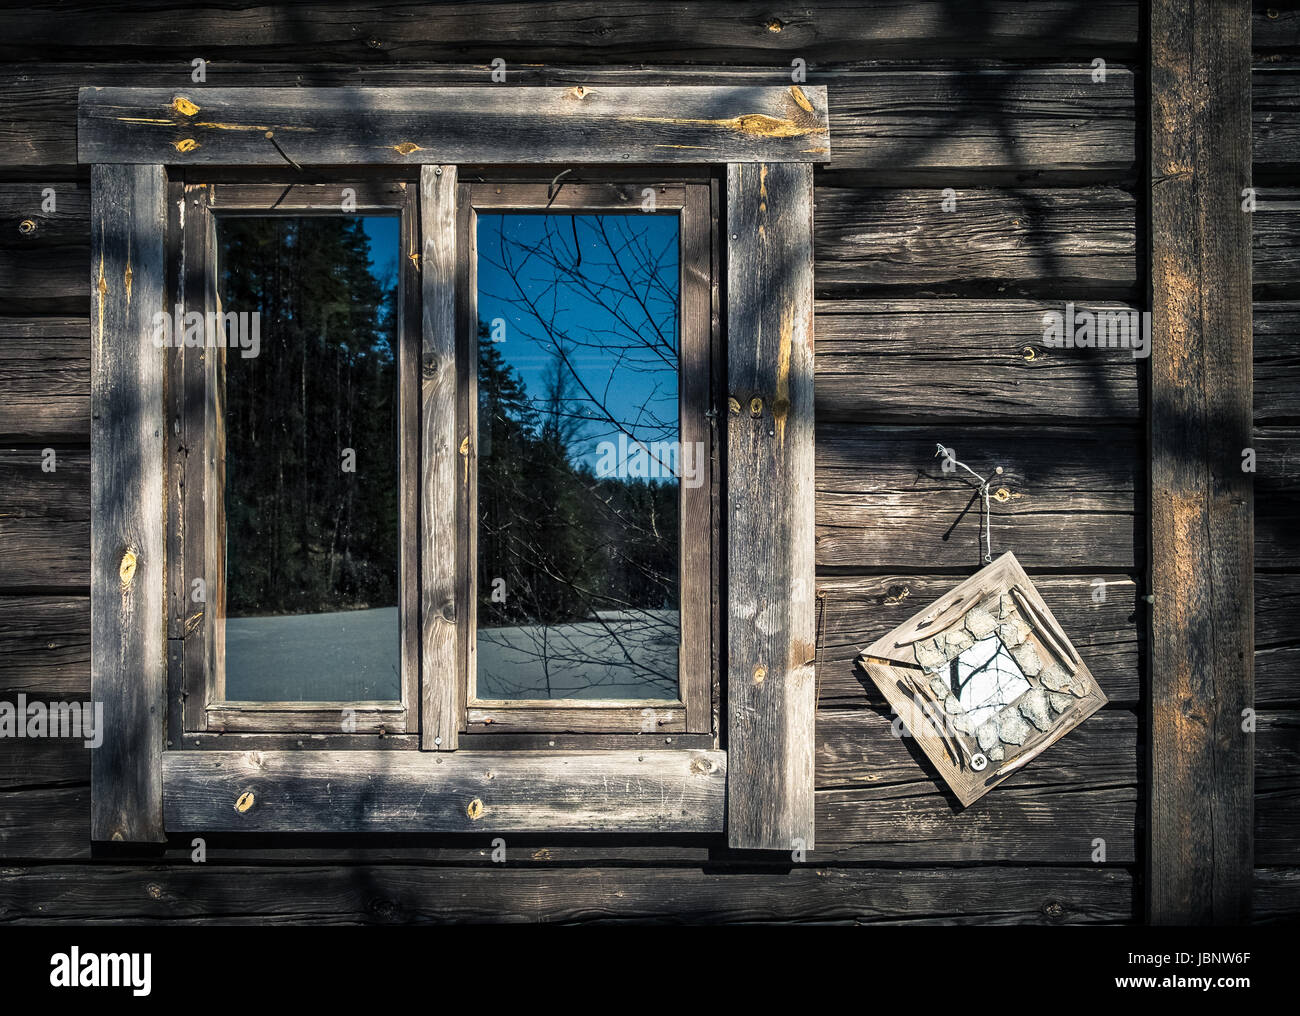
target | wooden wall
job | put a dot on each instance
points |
(1276, 110)
(928, 330)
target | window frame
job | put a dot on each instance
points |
(199, 496)
(759, 789)
(692, 711)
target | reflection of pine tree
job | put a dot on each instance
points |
(566, 542)
(302, 535)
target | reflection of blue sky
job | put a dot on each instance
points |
(614, 315)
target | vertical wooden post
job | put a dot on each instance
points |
(1202, 541)
(770, 526)
(128, 615)
(439, 455)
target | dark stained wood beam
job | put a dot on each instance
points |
(1202, 640)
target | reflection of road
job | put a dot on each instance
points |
(622, 654)
(345, 656)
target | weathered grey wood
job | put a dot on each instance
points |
(44, 379)
(1276, 244)
(48, 516)
(382, 32)
(888, 360)
(1276, 896)
(1277, 639)
(407, 894)
(857, 610)
(45, 823)
(1277, 788)
(883, 500)
(1277, 497)
(1083, 239)
(1202, 648)
(46, 647)
(439, 458)
(128, 567)
(407, 791)
(367, 126)
(1275, 111)
(939, 118)
(771, 691)
(1277, 360)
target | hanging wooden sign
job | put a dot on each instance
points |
(984, 679)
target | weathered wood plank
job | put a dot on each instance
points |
(1067, 497)
(407, 791)
(1077, 240)
(1277, 788)
(1277, 497)
(1202, 646)
(989, 117)
(392, 126)
(1277, 639)
(1276, 896)
(128, 567)
(417, 894)
(1275, 112)
(887, 359)
(770, 494)
(384, 32)
(857, 610)
(1277, 360)
(45, 824)
(1276, 244)
(880, 800)
(44, 379)
(440, 656)
(47, 515)
(45, 650)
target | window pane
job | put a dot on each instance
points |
(578, 460)
(311, 492)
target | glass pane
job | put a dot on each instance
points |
(311, 490)
(578, 457)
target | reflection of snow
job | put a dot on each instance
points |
(628, 654)
(984, 678)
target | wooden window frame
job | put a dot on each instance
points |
(198, 500)
(759, 790)
(691, 712)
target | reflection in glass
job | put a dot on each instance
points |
(311, 459)
(578, 464)
(984, 678)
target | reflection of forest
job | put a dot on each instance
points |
(303, 535)
(565, 543)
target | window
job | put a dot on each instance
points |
(464, 651)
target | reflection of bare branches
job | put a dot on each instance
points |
(585, 617)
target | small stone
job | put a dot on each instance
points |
(1034, 708)
(1060, 703)
(1054, 678)
(987, 735)
(1006, 606)
(955, 642)
(929, 656)
(939, 686)
(979, 622)
(1011, 633)
(996, 753)
(951, 705)
(1027, 656)
(1080, 687)
(1011, 726)
(963, 723)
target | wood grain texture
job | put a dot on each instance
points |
(439, 540)
(1275, 111)
(1277, 788)
(378, 33)
(1202, 647)
(1276, 243)
(127, 503)
(988, 116)
(393, 126)
(1277, 639)
(419, 894)
(770, 493)
(1078, 240)
(406, 791)
(1277, 497)
(1277, 361)
(1067, 497)
(885, 360)
(47, 514)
